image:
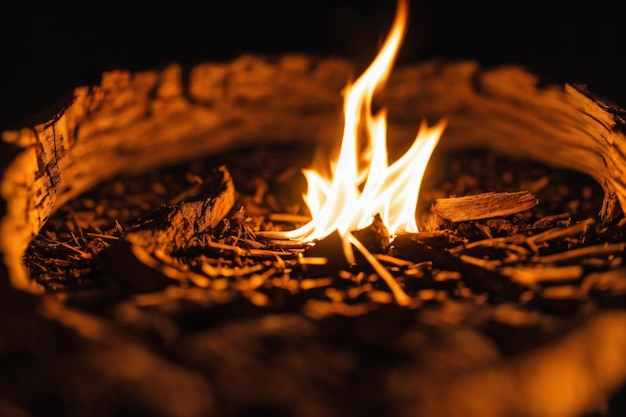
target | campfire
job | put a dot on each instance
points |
(353, 196)
(459, 248)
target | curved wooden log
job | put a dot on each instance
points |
(132, 122)
(570, 376)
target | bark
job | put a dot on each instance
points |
(136, 121)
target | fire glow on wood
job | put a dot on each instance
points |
(362, 183)
(165, 281)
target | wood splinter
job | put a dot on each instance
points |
(483, 206)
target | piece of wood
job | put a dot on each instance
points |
(142, 261)
(172, 228)
(132, 122)
(532, 384)
(483, 206)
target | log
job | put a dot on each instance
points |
(132, 122)
(538, 384)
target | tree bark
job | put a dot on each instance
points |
(132, 122)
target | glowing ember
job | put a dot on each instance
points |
(359, 190)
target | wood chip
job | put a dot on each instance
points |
(483, 206)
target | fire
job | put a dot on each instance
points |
(364, 184)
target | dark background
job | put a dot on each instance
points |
(49, 48)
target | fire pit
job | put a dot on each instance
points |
(193, 294)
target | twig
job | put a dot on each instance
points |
(540, 273)
(485, 264)
(288, 218)
(103, 236)
(596, 250)
(494, 242)
(401, 297)
(559, 233)
(393, 260)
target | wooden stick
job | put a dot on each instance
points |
(588, 251)
(561, 232)
(541, 273)
(400, 296)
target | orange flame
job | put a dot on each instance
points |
(354, 195)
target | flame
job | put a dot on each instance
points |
(356, 192)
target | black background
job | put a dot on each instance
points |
(49, 48)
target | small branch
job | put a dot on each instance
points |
(401, 297)
(589, 251)
(288, 218)
(496, 242)
(540, 273)
(489, 265)
(559, 233)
